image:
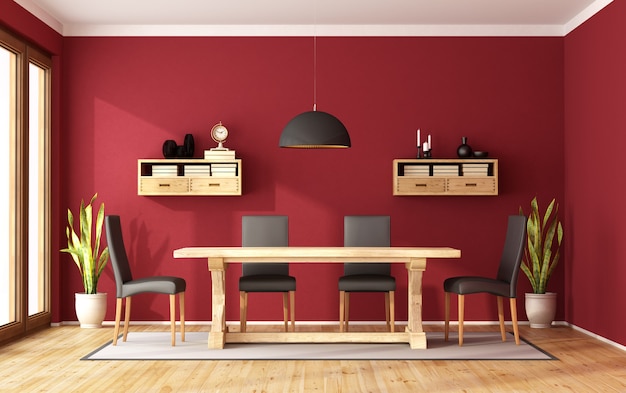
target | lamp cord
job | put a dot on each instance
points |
(314, 73)
(315, 57)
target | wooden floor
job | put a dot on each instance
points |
(48, 361)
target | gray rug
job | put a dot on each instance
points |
(476, 346)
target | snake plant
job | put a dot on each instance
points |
(84, 250)
(542, 253)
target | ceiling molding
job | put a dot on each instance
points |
(309, 30)
(386, 30)
(585, 14)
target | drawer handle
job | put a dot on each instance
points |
(471, 185)
(163, 185)
(421, 185)
(214, 184)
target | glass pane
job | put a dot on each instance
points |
(8, 91)
(36, 194)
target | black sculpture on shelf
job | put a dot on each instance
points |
(172, 150)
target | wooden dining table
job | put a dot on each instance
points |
(414, 259)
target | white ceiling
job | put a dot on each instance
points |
(319, 17)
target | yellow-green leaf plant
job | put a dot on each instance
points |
(84, 250)
(542, 253)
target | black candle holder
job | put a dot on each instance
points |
(428, 153)
(419, 152)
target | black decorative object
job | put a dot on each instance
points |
(172, 150)
(169, 149)
(464, 150)
(189, 145)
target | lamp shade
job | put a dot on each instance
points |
(315, 130)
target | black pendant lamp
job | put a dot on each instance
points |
(315, 129)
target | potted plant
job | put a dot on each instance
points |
(541, 257)
(85, 251)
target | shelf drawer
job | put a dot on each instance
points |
(472, 185)
(163, 185)
(217, 185)
(418, 185)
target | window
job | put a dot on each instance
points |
(24, 187)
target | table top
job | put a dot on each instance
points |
(317, 254)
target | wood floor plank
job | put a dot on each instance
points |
(49, 361)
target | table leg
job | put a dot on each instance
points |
(216, 339)
(415, 270)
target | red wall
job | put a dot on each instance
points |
(595, 119)
(124, 96)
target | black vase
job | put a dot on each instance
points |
(169, 149)
(464, 150)
(189, 145)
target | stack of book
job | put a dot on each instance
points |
(219, 155)
(416, 170)
(164, 170)
(224, 170)
(445, 170)
(197, 170)
(475, 169)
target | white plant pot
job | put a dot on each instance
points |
(91, 309)
(540, 309)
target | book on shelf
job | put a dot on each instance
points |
(164, 170)
(445, 170)
(416, 172)
(197, 170)
(224, 169)
(475, 169)
(219, 155)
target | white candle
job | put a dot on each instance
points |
(429, 143)
(418, 137)
(425, 147)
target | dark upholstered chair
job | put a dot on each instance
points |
(266, 231)
(128, 287)
(366, 231)
(504, 285)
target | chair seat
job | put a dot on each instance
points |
(267, 283)
(367, 283)
(156, 284)
(465, 285)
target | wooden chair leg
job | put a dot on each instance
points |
(286, 310)
(342, 299)
(513, 303)
(501, 318)
(387, 311)
(461, 318)
(292, 307)
(243, 309)
(446, 314)
(118, 316)
(181, 298)
(392, 311)
(173, 318)
(127, 317)
(346, 317)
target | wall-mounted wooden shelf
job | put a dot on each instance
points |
(445, 177)
(189, 177)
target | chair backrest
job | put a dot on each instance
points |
(265, 231)
(367, 231)
(513, 252)
(117, 252)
